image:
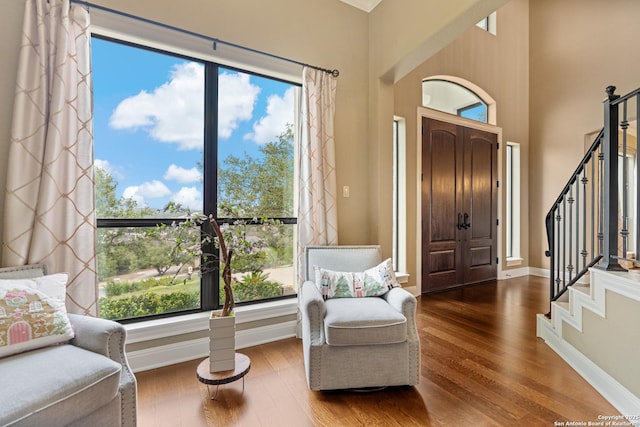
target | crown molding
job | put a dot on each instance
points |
(366, 5)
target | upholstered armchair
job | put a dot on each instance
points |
(83, 382)
(353, 343)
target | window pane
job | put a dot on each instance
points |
(140, 274)
(453, 98)
(150, 153)
(256, 145)
(148, 129)
(267, 270)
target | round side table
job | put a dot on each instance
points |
(243, 364)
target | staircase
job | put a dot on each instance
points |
(593, 232)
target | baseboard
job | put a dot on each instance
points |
(165, 355)
(619, 396)
(514, 272)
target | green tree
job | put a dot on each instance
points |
(120, 250)
(261, 185)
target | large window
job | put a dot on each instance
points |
(454, 99)
(513, 203)
(171, 129)
(399, 243)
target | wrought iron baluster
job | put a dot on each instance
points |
(624, 232)
(584, 252)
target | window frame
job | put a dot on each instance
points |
(399, 226)
(513, 202)
(210, 281)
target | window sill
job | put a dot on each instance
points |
(511, 262)
(172, 326)
(402, 277)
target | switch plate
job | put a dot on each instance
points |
(345, 191)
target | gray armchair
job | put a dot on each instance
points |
(86, 382)
(357, 342)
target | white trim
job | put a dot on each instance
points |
(514, 272)
(594, 299)
(514, 261)
(165, 355)
(179, 325)
(621, 398)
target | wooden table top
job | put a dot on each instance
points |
(243, 364)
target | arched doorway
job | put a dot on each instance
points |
(459, 181)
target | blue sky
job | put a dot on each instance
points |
(148, 118)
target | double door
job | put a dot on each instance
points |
(459, 205)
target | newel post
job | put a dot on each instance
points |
(610, 184)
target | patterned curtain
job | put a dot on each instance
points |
(49, 207)
(317, 201)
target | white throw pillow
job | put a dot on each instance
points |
(375, 281)
(53, 285)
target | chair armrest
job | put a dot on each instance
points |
(403, 301)
(313, 311)
(100, 336)
(108, 338)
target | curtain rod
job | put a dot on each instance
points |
(215, 41)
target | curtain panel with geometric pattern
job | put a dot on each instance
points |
(49, 203)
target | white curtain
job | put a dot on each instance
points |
(49, 206)
(317, 201)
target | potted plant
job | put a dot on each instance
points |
(227, 239)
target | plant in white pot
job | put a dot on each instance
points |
(227, 239)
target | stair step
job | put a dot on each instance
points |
(584, 288)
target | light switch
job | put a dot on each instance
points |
(345, 191)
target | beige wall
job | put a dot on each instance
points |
(402, 35)
(499, 65)
(327, 33)
(609, 342)
(578, 47)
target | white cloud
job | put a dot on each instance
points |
(103, 164)
(279, 114)
(182, 175)
(147, 190)
(172, 113)
(237, 97)
(108, 168)
(190, 197)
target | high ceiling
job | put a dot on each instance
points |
(366, 5)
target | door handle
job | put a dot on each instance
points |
(466, 225)
(460, 223)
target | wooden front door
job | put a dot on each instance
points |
(459, 205)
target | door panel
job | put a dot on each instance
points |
(459, 205)
(481, 203)
(440, 200)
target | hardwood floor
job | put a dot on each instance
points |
(482, 365)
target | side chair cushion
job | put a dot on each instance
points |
(55, 385)
(363, 321)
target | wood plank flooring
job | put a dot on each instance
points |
(482, 365)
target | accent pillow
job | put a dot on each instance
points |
(373, 282)
(30, 319)
(53, 285)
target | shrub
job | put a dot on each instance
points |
(255, 285)
(147, 304)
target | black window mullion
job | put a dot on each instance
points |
(209, 285)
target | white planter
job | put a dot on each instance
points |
(222, 343)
